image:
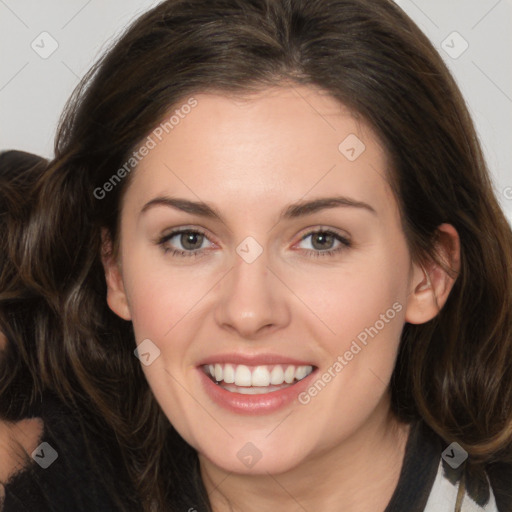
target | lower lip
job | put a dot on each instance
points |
(254, 404)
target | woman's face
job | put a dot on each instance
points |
(257, 292)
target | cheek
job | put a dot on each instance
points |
(366, 318)
(163, 298)
(348, 302)
(361, 313)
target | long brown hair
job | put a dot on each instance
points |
(20, 386)
(26, 391)
(454, 372)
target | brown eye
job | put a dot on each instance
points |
(184, 242)
(325, 243)
(322, 240)
(191, 240)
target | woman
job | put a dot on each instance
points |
(272, 238)
(44, 459)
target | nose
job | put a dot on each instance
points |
(252, 300)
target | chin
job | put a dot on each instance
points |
(255, 458)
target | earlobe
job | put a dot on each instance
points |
(116, 295)
(431, 284)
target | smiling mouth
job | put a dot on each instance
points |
(256, 380)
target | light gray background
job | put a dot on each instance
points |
(33, 89)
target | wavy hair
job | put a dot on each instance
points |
(26, 390)
(454, 372)
(20, 386)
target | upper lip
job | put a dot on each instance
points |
(253, 359)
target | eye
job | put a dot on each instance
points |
(190, 240)
(190, 243)
(323, 243)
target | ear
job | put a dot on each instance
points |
(116, 296)
(430, 285)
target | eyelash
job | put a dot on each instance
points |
(345, 243)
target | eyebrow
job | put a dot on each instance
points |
(292, 211)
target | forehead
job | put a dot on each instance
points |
(265, 148)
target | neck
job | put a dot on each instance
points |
(361, 472)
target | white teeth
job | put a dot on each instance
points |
(218, 372)
(242, 375)
(260, 376)
(229, 374)
(289, 374)
(301, 372)
(277, 375)
(257, 376)
(254, 390)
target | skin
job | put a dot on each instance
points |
(250, 158)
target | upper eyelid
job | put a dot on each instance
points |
(341, 238)
(177, 231)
